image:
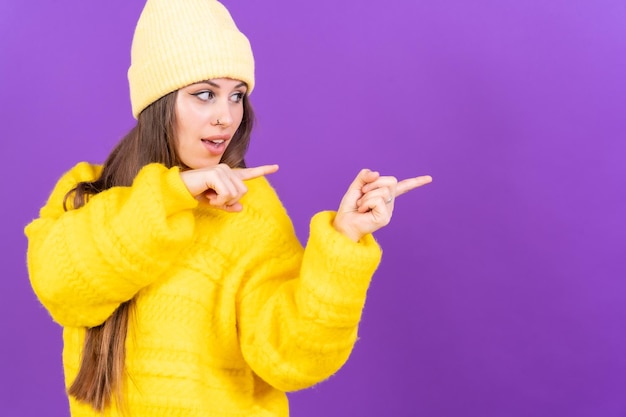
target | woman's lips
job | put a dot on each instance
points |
(216, 144)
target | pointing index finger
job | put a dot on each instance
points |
(255, 172)
(409, 184)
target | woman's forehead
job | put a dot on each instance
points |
(222, 82)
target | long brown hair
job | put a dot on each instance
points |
(151, 140)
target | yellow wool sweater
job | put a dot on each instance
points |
(230, 311)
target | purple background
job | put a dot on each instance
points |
(501, 291)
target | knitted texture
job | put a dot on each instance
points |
(230, 312)
(177, 43)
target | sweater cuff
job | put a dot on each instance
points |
(176, 195)
(343, 268)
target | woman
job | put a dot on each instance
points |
(174, 269)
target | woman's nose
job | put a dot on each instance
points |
(223, 116)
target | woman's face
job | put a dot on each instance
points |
(208, 114)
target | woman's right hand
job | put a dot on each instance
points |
(221, 185)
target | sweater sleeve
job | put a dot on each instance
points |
(299, 311)
(83, 263)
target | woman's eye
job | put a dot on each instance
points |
(237, 97)
(205, 95)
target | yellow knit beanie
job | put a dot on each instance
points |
(181, 42)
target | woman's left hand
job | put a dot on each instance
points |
(368, 204)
